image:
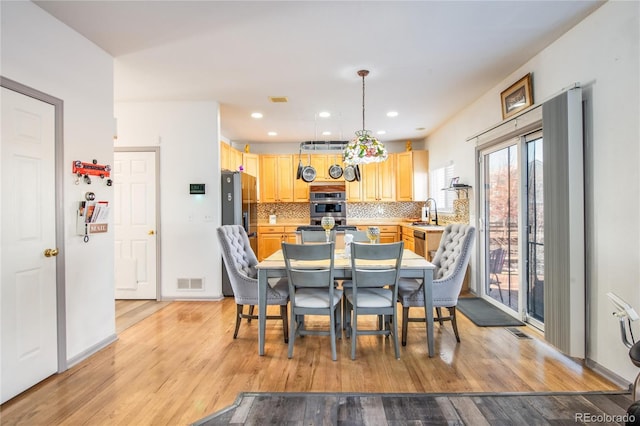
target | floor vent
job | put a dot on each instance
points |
(190, 284)
(519, 334)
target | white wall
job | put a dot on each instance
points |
(40, 52)
(188, 136)
(601, 53)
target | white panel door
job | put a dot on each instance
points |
(134, 175)
(29, 338)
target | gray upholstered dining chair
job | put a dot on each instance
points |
(358, 236)
(308, 236)
(451, 262)
(241, 261)
(375, 269)
(310, 270)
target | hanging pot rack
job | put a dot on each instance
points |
(329, 146)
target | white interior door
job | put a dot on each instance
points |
(29, 341)
(134, 175)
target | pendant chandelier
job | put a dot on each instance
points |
(364, 148)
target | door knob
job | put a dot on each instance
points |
(50, 252)
(152, 232)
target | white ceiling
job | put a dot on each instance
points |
(427, 59)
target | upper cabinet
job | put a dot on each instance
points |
(230, 158)
(251, 163)
(378, 180)
(412, 178)
(277, 175)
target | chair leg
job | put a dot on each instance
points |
(285, 323)
(238, 318)
(405, 322)
(439, 314)
(452, 313)
(354, 332)
(394, 330)
(293, 319)
(332, 333)
(250, 312)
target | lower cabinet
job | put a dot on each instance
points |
(388, 233)
(407, 237)
(270, 239)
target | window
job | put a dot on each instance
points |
(441, 178)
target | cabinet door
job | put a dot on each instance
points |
(354, 191)
(235, 159)
(250, 163)
(387, 179)
(300, 187)
(286, 177)
(386, 237)
(268, 178)
(319, 162)
(369, 181)
(404, 177)
(268, 244)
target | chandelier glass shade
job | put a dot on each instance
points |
(364, 148)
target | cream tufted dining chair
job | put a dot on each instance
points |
(241, 262)
(451, 262)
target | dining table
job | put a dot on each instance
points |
(412, 266)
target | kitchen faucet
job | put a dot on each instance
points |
(435, 208)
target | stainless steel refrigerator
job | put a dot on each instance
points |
(239, 207)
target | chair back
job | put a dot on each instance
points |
(308, 236)
(358, 236)
(240, 261)
(454, 251)
(376, 265)
(309, 265)
(496, 260)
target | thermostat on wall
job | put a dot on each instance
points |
(196, 188)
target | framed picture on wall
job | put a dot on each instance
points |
(517, 97)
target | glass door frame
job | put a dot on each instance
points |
(482, 153)
(520, 141)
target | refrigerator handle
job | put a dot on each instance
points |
(245, 221)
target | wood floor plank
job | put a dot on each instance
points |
(181, 364)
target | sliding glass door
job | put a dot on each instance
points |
(512, 244)
(501, 216)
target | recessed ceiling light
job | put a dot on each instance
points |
(272, 134)
(256, 114)
(392, 114)
(325, 114)
(381, 132)
(326, 133)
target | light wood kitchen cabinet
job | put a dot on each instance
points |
(412, 177)
(235, 159)
(379, 180)
(270, 239)
(230, 158)
(319, 162)
(276, 178)
(388, 233)
(354, 191)
(407, 237)
(251, 164)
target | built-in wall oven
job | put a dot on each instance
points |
(327, 200)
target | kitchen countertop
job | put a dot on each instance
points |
(362, 222)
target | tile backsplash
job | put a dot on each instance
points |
(409, 210)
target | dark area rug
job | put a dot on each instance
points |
(484, 314)
(568, 408)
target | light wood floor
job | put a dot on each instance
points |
(181, 364)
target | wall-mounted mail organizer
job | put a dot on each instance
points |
(84, 171)
(92, 218)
